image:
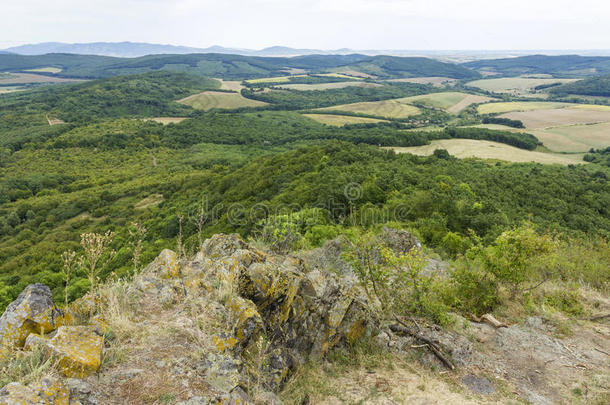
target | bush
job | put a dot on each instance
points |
(518, 256)
(471, 290)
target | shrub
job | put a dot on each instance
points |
(518, 256)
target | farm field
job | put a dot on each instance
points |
(515, 85)
(353, 73)
(327, 86)
(9, 89)
(337, 75)
(168, 120)
(234, 85)
(209, 100)
(386, 108)
(341, 120)
(467, 148)
(496, 127)
(49, 69)
(496, 108)
(453, 102)
(575, 138)
(538, 119)
(278, 79)
(26, 78)
(437, 81)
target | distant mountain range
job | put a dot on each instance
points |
(137, 49)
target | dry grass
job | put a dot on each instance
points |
(496, 108)
(327, 86)
(555, 117)
(380, 379)
(209, 100)
(386, 108)
(150, 201)
(340, 120)
(234, 85)
(164, 344)
(469, 148)
(515, 85)
(575, 138)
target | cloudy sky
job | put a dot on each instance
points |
(324, 24)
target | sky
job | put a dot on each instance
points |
(319, 24)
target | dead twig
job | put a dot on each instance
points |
(431, 345)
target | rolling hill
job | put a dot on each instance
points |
(233, 66)
(595, 86)
(564, 65)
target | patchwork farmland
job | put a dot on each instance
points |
(469, 148)
(209, 100)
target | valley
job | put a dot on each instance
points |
(307, 220)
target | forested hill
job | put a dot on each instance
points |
(233, 66)
(564, 65)
(595, 86)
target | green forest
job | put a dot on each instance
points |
(107, 167)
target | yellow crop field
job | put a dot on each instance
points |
(209, 100)
(470, 148)
(386, 109)
(341, 120)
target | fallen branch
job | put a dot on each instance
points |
(431, 345)
(598, 317)
(489, 318)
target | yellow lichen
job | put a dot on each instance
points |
(224, 343)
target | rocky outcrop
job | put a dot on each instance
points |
(76, 349)
(301, 313)
(48, 391)
(32, 312)
(279, 311)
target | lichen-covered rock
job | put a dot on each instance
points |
(49, 391)
(248, 322)
(32, 312)
(222, 372)
(52, 391)
(302, 314)
(15, 393)
(77, 349)
(166, 265)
